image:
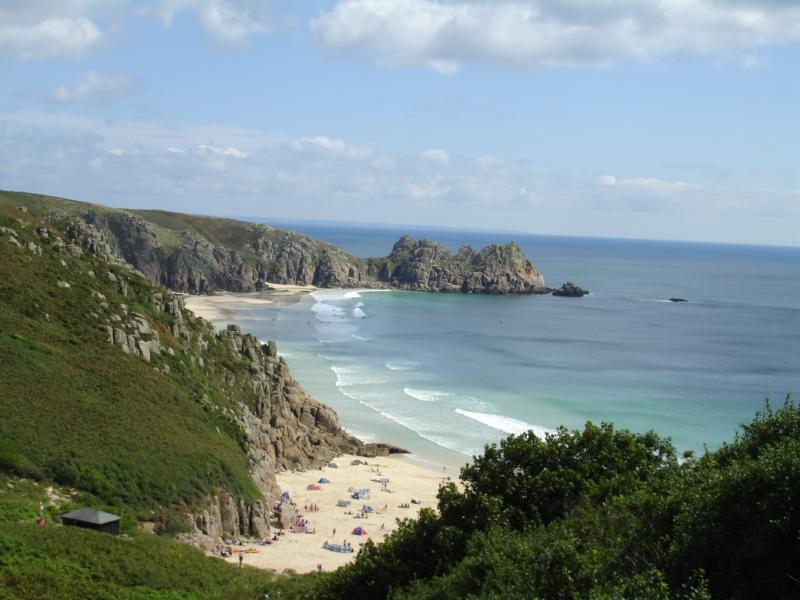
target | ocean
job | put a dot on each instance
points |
(442, 375)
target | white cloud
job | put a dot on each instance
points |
(332, 147)
(435, 155)
(428, 190)
(646, 183)
(49, 38)
(96, 87)
(442, 35)
(44, 29)
(230, 22)
(229, 151)
(178, 168)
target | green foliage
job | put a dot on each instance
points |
(82, 413)
(601, 514)
(540, 480)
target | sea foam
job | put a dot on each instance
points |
(401, 365)
(349, 376)
(327, 313)
(504, 424)
(424, 395)
(416, 426)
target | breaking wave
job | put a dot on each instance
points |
(504, 424)
(424, 395)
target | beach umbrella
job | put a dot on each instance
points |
(359, 531)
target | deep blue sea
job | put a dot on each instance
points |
(442, 375)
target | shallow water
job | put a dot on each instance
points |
(443, 375)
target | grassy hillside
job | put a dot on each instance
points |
(78, 411)
(150, 438)
(230, 233)
(72, 563)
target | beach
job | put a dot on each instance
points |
(302, 552)
(221, 306)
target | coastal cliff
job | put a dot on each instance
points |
(427, 266)
(111, 386)
(198, 255)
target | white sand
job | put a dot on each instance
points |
(302, 552)
(222, 305)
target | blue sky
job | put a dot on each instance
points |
(666, 120)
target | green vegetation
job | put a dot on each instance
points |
(73, 563)
(81, 413)
(601, 513)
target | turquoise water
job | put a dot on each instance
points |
(444, 374)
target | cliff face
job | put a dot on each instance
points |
(194, 254)
(266, 254)
(425, 265)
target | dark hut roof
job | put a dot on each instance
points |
(90, 515)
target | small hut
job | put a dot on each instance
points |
(89, 518)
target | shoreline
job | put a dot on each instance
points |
(217, 307)
(410, 476)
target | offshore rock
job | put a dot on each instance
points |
(570, 290)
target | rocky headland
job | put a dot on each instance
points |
(200, 255)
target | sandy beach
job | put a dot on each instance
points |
(302, 552)
(222, 305)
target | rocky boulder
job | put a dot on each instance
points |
(286, 515)
(570, 290)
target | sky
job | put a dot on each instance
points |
(662, 119)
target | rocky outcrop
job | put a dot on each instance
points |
(570, 290)
(199, 255)
(427, 266)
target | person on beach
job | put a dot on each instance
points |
(241, 557)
